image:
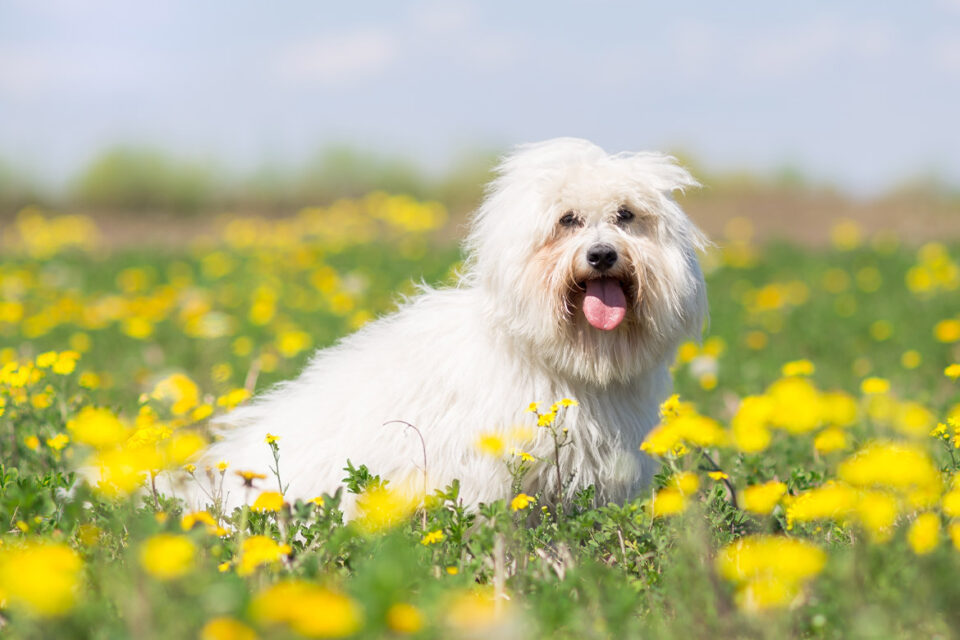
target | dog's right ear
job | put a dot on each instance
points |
(658, 171)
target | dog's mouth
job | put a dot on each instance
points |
(604, 302)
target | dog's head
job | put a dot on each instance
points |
(587, 260)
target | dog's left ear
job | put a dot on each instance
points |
(658, 172)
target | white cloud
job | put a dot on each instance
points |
(338, 59)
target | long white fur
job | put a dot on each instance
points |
(463, 361)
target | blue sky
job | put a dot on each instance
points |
(862, 94)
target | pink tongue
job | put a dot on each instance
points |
(604, 305)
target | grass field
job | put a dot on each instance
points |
(809, 484)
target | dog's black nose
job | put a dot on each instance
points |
(602, 256)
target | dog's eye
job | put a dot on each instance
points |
(570, 219)
(624, 215)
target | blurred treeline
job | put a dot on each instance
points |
(139, 179)
(134, 179)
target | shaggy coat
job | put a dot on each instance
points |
(536, 316)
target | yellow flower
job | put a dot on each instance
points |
(66, 363)
(717, 475)
(432, 538)
(749, 426)
(258, 551)
(247, 476)
(32, 442)
(892, 465)
(523, 455)
(42, 578)
(830, 501)
(546, 419)
(268, 501)
(404, 618)
(224, 628)
(167, 556)
(686, 483)
(947, 331)
(951, 503)
(491, 444)
(830, 439)
(222, 466)
(58, 442)
(382, 508)
(796, 405)
(310, 610)
(317, 501)
(180, 391)
(952, 371)
(911, 359)
(875, 386)
(99, 428)
(477, 614)
(190, 520)
(521, 501)
(270, 439)
(770, 570)
(223, 567)
(924, 533)
(877, 511)
(567, 402)
(667, 502)
(954, 530)
(453, 571)
(232, 398)
(762, 498)
(45, 360)
(533, 407)
(797, 368)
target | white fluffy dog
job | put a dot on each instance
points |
(581, 278)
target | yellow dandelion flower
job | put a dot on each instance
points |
(877, 511)
(667, 502)
(99, 428)
(432, 538)
(310, 610)
(224, 628)
(167, 556)
(383, 508)
(41, 578)
(762, 498)
(686, 483)
(833, 500)
(546, 419)
(924, 534)
(491, 444)
(947, 331)
(717, 475)
(875, 386)
(830, 439)
(797, 368)
(58, 442)
(952, 371)
(66, 363)
(268, 501)
(258, 551)
(954, 531)
(271, 439)
(521, 501)
(404, 618)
